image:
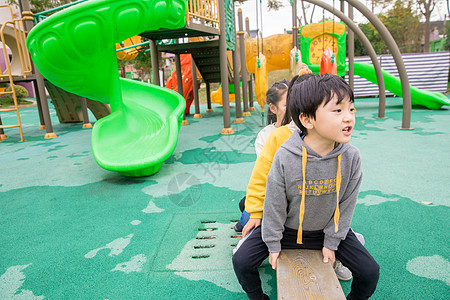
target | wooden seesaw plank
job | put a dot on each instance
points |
(301, 274)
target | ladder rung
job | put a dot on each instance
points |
(5, 93)
(7, 109)
(9, 126)
(6, 75)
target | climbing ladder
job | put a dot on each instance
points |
(19, 33)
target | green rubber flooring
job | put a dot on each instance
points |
(71, 230)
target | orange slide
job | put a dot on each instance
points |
(186, 72)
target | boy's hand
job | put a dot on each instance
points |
(273, 256)
(328, 255)
(252, 223)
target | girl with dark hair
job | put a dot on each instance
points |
(276, 100)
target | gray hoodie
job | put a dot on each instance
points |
(310, 204)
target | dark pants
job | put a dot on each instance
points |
(253, 251)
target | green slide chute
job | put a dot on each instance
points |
(431, 100)
(75, 50)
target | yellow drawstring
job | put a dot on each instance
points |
(302, 204)
(338, 187)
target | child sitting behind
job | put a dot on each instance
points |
(313, 184)
(276, 100)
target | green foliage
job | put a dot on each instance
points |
(42, 5)
(274, 4)
(6, 102)
(403, 22)
(143, 62)
(447, 35)
(375, 39)
(21, 92)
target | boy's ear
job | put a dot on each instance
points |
(273, 108)
(306, 121)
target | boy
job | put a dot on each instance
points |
(312, 186)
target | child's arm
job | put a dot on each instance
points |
(256, 190)
(346, 208)
(275, 207)
(328, 255)
(273, 256)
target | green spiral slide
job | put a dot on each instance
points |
(75, 50)
(431, 100)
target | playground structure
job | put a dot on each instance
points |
(22, 70)
(13, 33)
(138, 150)
(209, 56)
(71, 78)
(128, 53)
(72, 228)
(320, 37)
(188, 82)
(333, 34)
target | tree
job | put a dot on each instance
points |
(274, 4)
(142, 63)
(403, 22)
(426, 7)
(42, 5)
(375, 39)
(447, 36)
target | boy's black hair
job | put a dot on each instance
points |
(273, 96)
(305, 98)
(295, 80)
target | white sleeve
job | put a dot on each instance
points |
(262, 137)
(259, 142)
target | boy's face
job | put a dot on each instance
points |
(334, 122)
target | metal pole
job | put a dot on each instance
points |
(224, 71)
(237, 78)
(250, 94)
(180, 83)
(39, 106)
(396, 54)
(208, 97)
(250, 87)
(39, 87)
(351, 50)
(294, 24)
(86, 124)
(237, 88)
(155, 62)
(364, 40)
(197, 114)
(241, 33)
(247, 24)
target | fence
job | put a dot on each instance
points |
(428, 71)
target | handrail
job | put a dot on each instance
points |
(24, 57)
(20, 37)
(42, 15)
(133, 46)
(203, 10)
(198, 10)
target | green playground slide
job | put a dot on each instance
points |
(431, 100)
(75, 50)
